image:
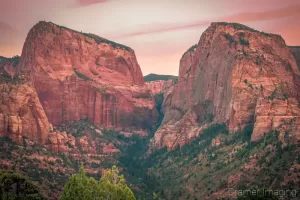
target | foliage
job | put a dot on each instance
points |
(159, 99)
(13, 186)
(192, 48)
(273, 95)
(111, 186)
(157, 77)
(238, 26)
(82, 76)
(100, 40)
(230, 39)
(15, 60)
(97, 38)
(244, 42)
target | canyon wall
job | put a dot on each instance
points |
(237, 76)
(296, 52)
(64, 76)
(21, 112)
(159, 86)
(78, 75)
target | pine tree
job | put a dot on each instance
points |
(111, 186)
(15, 186)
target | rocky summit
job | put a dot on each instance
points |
(234, 75)
(74, 76)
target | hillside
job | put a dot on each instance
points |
(157, 77)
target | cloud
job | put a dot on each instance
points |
(268, 15)
(82, 3)
(10, 40)
(240, 17)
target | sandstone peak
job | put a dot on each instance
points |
(47, 26)
(191, 49)
(238, 76)
(78, 75)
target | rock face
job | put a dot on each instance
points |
(237, 76)
(159, 86)
(296, 52)
(80, 75)
(21, 112)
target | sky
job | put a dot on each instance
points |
(159, 31)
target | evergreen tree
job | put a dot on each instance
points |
(111, 186)
(13, 186)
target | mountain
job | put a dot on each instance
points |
(230, 122)
(158, 77)
(71, 97)
(237, 76)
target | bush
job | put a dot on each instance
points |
(244, 42)
(82, 76)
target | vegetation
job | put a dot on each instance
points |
(159, 99)
(100, 40)
(157, 77)
(111, 186)
(273, 95)
(238, 26)
(97, 38)
(192, 48)
(244, 42)
(82, 76)
(13, 186)
(14, 60)
(230, 39)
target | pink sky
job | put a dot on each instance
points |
(158, 30)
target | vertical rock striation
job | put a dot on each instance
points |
(237, 76)
(78, 75)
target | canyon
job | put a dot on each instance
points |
(74, 97)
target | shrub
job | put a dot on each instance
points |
(82, 76)
(273, 95)
(244, 42)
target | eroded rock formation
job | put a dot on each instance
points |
(21, 113)
(296, 52)
(80, 75)
(64, 76)
(159, 86)
(237, 76)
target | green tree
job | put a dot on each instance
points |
(114, 187)
(111, 186)
(13, 186)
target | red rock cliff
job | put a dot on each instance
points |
(159, 86)
(80, 75)
(238, 76)
(21, 112)
(296, 52)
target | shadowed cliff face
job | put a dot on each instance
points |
(296, 53)
(80, 75)
(236, 76)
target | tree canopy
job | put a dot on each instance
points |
(14, 186)
(111, 186)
